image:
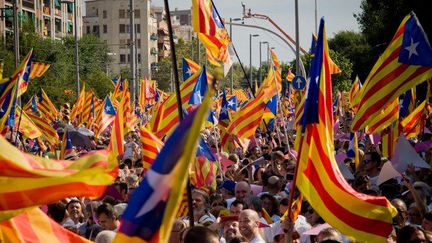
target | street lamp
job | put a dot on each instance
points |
(231, 37)
(260, 65)
(77, 85)
(250, 58)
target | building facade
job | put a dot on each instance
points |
(51, 18)
(109, 20)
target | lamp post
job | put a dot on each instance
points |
(250, 58)
(77, 84)
(232, 67)
(260, 65)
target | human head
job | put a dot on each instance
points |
(230, 225)
(105, 236)
(411, 233)
(414, 214)
(329, 234)
(401, 207)
(372, 162)
(74, 209)
(237, 206)
(427, 222)
(249, 222)
(107, 217)
(270, 204)
(312, 217)
(200, 203)
(242, 190)
(198, 234)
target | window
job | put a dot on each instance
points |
(104, 13)
(139, 58)
(121, 13)
(122, 28)
(95, 29)
(129, 59)
(122, 58)
(122, 44)
(138, 43)
(137, 13)
(88, 30)
(105, 28)
(137, 28)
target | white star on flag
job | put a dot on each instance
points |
(189, 71)
(230, 103)
(412, 49)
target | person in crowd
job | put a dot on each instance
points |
(230, 228)
(107, 217)
(201, 206)
(199, 234)
(249, 222)
(329, 235)
(242, 191)
(237, 206)
(411, 233)
(75, 214)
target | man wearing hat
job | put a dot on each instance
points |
(230, 228)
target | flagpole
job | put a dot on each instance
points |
(178, 96)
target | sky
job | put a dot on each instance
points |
(338, 15)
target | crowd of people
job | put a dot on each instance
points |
(250, 201)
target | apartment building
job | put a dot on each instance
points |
(51, 18)
(109, 20)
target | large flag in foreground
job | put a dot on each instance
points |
(28, 177)
(154, 204)
(406, 62)
(35, 226)
(356, 215)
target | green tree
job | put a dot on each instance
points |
(379, 21)
(354, 47)
(60, 55)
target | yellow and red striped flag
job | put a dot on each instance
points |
(358, 216)
(245, 122)
(151, 146)
(295, 209)
(46, 107)
(167, 117)
(405, 63)
(290, 76)
(117, 131)
(47, 130)
(38, 69)
(414, 122)
(385, 118)
(354, 92)
(77, 109)
(26, 125)
(35, 226)
(28, 177)
(389, 139)
(205, 18)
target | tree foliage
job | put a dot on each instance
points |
(379, 21)
(93, 60)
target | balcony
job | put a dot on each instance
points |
(154, 52)
(28, 3)
(154, 37)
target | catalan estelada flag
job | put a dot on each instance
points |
(167, 117)
(35, 226)
(26, 126)
(151, 146)
(406, 62)
(358, 216)
(49, 133)
(107, 116)
(245, 122)
(46, 107)
(388, 115)
(155, 203)
(23, 73)
(29, 177)
(204, 167)
(7, 100)
(38, 69)
(414, 122)
(66, 149)
(205, 18)
(354, 91)
(116, 146)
